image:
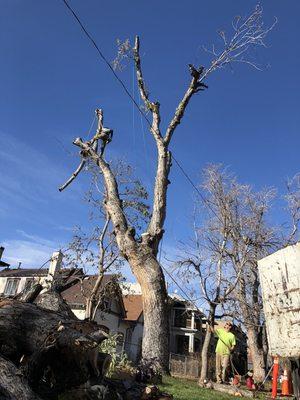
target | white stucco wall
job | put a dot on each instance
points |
(22, 282)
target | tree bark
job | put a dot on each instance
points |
(13, 386)
(150, 276)
(206, 343)
(257, 354)
(54, 350)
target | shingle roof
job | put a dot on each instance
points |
(32, 272)
(134, 306)
(23, 272)
(78, 293)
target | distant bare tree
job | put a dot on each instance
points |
(248, 238)
(207, 259)
(141, 250)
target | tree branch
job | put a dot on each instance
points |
(113, 202)
(195, 86)
(152, 106)
(73, 176)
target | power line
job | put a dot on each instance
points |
(104, 59)
(88, 35)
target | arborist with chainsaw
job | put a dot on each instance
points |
(225, 346)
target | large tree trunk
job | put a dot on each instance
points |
(150, 276)
(257, 354)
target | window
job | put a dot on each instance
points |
(182, 344)
(28, 284)
(11, 286)
(182, 318)
(179, 318)
(198, 323)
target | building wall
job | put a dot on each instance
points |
(133, 338)
(22, 282)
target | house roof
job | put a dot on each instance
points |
(78, 293)
(23, 272)
(32, 272)
(134, 306)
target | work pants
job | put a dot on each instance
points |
(222, 362)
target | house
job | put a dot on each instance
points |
(15, 280)
(185, 320)
(186, 334)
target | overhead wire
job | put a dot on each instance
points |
(104, 58)
(143, 115)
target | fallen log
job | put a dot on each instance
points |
(55, 351)
(13, 386)
(233, 390)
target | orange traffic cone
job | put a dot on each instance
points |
(286, 383)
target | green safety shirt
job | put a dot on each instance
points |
(226, 341)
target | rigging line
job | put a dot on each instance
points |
(205, 201)
(49, 259)
(133, 115)
(127, 92)
(105, 59)
(180, 287)
(91, 127)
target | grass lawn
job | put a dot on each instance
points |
(183, 389)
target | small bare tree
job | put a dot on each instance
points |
(97, 250)
(141, 251)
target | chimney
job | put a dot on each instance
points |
(55, 263)
(1, 251)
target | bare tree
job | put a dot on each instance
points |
(248, 238)
(141, 251)
(207, 259)
(96, 251)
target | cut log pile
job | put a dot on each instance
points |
(47, 353)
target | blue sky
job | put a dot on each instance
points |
(52, 80)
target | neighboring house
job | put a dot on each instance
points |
(111, 314)
(185, 320)
(186, 334)
(15, 280)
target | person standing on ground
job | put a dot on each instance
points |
(225, 346)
